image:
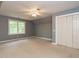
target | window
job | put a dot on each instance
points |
(21, 27)
(16, 27)
(12, 27)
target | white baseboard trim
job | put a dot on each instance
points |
(53, 43)
(9, 40)
(42, 38)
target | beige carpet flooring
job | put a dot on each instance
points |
(35, 48)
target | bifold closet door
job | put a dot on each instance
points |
(60, 29)
(69, 30)
(76, 31)
(64, 30)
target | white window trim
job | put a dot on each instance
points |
(17, 28)
(8, 28)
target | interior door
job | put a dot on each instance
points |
(76, 31)
(60, 29)
(68, 30)
(64, 30)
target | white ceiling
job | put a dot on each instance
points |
(23, 9)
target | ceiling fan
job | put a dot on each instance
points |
(33, 12)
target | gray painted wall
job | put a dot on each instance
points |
(4, 29)
(43, 27)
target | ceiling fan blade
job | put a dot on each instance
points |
(43, 13)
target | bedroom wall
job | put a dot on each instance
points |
(43, 27)
(4, 29)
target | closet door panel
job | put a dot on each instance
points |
(58, 30)
(68, 31)
(64, 30)
(76, 31)
(61, 29)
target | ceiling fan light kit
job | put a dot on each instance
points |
(34, 15)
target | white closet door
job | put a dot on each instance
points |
(58, 30)
(77, 43)
(68, 31)
(76, 31)
(61, 28)
(64, 30)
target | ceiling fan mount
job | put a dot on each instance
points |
(38, 9)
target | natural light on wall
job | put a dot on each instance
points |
(16, 27)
